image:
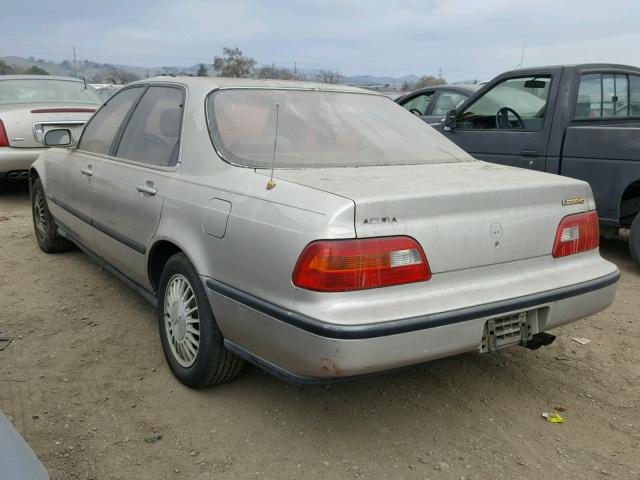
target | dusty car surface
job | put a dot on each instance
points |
(319, 231)
(30, 105)
(17, 460)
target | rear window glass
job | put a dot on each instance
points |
(604, 95)
(321, 129)
(42, 90)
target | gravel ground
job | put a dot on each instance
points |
(86, 384)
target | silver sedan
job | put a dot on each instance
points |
(320, 232)
(31, 105)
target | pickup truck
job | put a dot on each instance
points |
(580, 121)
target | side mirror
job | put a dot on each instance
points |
(60, 137)
(450, 121)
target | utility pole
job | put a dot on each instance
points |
(295, 70)
(75, 71)
(439, 73)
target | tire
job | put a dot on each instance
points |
(634, 240)
(183, 329)
(44, 226)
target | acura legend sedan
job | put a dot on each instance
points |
(31, 105)
(321, 232)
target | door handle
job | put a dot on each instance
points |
(529, 153)
(87, 171)
(146, 189)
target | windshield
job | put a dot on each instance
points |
(44, 90)
(321, 129)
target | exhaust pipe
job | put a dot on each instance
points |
(541, 339)
(18, 175)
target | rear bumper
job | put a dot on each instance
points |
(304, 349)
(13, 159)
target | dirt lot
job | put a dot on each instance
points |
(85, 383)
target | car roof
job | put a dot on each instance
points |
(576, 67)
(39, 77)
(213, 83)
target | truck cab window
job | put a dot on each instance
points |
(513, 104)
(603, 95)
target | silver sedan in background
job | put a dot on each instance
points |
(319, 231)
(30, 105)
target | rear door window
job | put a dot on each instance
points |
(152, 134)
(448, 101)
(100, 131)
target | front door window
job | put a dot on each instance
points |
(514, 104)
(419, 104)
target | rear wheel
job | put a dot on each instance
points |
(634, 240)
(44, 226)
(191, 340)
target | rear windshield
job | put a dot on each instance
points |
(41, 90)
(321, 129)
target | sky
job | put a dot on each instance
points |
(464, 39)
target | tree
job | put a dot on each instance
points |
(202, 70)
(35, 70)
(233, 64)
(6, 69)
(273, 72)
(120, 77)
(329, 76)
(429, 81)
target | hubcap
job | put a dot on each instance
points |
(181, 320)
(39, 215)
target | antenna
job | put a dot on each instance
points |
(271, 184)
(524, 45)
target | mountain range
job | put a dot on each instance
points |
(96, 72)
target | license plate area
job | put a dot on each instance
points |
(501, 332)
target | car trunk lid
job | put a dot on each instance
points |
(465, 215)
(26, 124)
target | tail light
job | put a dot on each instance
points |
(577, 233)
(4, 140)
(343, 265)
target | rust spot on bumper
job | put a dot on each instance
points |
(329, 366)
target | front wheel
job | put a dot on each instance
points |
(44, 226)
(191, 340)
(634, 240)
